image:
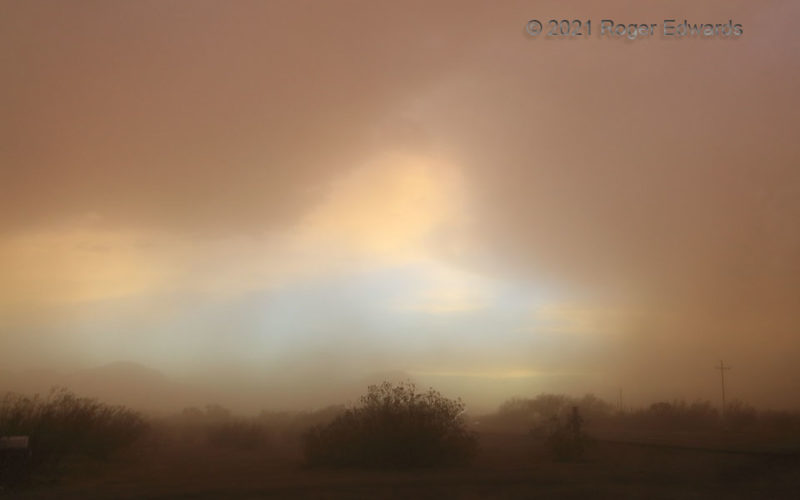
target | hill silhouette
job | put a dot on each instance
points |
(124, 383)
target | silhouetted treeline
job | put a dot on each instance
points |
(393, 425)
(524, 414)
(702, 415)
(217, 427)
(62, 425)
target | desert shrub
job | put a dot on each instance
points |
(287, 428)
(295, 423)
(676, 415)
(525, 412)
(545, 410)
(196, 417)
(236, 434)
(780, 421)
(63, 424)
(394, 426)
(564, 436)
(538, 413)
(214, 426)
(739, 415)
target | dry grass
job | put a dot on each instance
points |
(63, 425)
(508, 466)
(208, 454)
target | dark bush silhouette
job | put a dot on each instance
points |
(63, 424)
(565, 439)
(215, 426)
(236, 434)
(296, 423)
(739, 415)
(522, 414)
(673, 416)
(781, 421)
(394, 426)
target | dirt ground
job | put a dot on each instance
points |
(508, 466)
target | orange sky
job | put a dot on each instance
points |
(350, 188)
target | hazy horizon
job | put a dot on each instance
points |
(287, 200)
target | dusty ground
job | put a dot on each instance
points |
(509, 466)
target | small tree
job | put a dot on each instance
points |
(565, 437)
(64, 424)
(394, 426)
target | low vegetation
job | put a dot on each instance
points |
(543, 411)
(564, 436)
(394, 426)
(522, 414)
(63, 424)
(215, 427)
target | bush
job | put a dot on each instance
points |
(214, 426)
(676, 415)
(394, 426)
(236, 434)
(63, 424)
(565, 439)
(740, 415)
(520, 414)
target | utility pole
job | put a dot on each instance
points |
(722, 369)
(620, 399)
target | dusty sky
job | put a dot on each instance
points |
(308, 194)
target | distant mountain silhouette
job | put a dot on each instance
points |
(249, 392)
(125, 383)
